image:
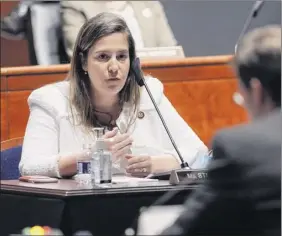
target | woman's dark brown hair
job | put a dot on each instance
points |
(101, 25)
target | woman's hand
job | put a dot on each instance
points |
(139, 165)
(143, 165)
(119, 144)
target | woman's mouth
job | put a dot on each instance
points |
(113, 79)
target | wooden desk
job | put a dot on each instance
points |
(70, 207)
(69, 188)
(200, 89)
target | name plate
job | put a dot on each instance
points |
(188, 176)
(160, 53)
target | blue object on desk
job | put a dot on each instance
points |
(10, 159)
(206, 159)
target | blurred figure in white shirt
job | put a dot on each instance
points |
(146, 20)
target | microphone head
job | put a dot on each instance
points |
(257, 6)
(136, 67)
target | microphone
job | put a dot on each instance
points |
(253, 14)
(175, 176)
(141, 82)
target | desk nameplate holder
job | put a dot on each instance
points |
(188, 176)
(156, 53)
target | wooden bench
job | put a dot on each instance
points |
(200, 89)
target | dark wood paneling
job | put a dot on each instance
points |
(18, 112)
(180, 73)
(31, 82)
(11, 143)
(3, 83)
(206, 105)
(4, 117)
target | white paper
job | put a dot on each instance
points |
(156, 219)
(129, 179)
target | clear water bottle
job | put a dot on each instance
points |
(105, 163)
(101, 161)
(95, 169)
(83, 175)
(84, 164)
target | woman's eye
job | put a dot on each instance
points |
(103, 57)
(122, 57)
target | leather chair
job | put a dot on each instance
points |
(10, 157)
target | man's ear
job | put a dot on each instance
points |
(257, 93)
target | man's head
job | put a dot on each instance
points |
(258, 65)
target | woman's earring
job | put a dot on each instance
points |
(85, 72)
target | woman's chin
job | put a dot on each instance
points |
(114, 89)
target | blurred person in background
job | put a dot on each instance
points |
(243, 193)
(13, 26)
(39, 23)
(146, 20)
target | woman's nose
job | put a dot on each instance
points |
(113, 65)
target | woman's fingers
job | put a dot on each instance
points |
(121, 143)
(140, 164)
(122, 152)
(136, 159)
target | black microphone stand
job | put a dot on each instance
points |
(141, 82)
(175, 176)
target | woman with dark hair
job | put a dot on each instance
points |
(101, 91)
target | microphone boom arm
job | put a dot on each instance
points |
(183, 163)
(254, 12)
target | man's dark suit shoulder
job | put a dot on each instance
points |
(255, 149)
(242, 193)
(262, 136)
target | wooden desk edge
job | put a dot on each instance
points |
(189, 61)
(17, 189)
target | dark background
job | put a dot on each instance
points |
(211, 27)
